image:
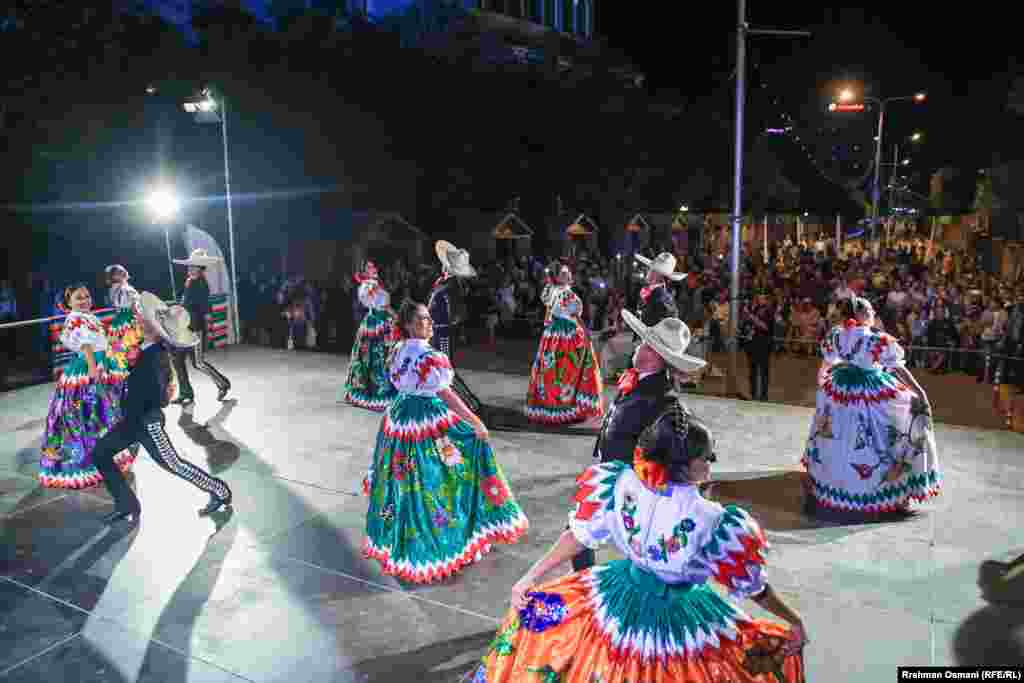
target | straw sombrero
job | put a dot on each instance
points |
(170, 321)
(198, 258)
(453, 259)
(664, 263)
(669, 339)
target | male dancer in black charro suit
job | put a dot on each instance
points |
(149, 387)
(196, 300)
(644, 394)
(447, 306)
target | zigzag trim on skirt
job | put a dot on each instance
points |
(640, 646)
(919, 488)
(365, 400)
(85, 478)
(375, 326)
(430, 572)
(433, 427)
(586, 406)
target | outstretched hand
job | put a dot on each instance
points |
(519, 599)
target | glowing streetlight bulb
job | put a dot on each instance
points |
(920, 97)
(846, 95)
(163, 203)
(916, 137)
(684, 208)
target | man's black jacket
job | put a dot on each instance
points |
(660, 304)
(196, 301)
(146, 386)
(630, 415)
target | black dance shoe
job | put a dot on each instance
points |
(214, 505)
(117, 517)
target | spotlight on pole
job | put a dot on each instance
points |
(163, 203)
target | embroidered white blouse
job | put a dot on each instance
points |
(562, 302)
(81, 329)
(676, 534)
(861, 346)
(416, 368)
(123, 295)
(373, 296)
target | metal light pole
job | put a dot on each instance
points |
(742, 30)
(231, 224)
(170, 262)
(878, 170)
(876, 190)
(164, 204)
(205, 111)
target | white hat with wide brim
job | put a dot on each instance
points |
(199, 258)
(170, 321)
(664, 263)
(669, 338)
(454, 260)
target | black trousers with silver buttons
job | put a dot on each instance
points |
(149, 433)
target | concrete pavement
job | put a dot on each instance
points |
(279, 591)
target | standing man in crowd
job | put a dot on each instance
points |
(761, 319)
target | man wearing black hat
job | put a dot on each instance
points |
(148, 389)
(644, 394)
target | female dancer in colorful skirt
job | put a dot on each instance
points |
(438, 499)
(650, 617)
(565, 381)
(368, 385)
(871, 447)
(86, 403)
(125, 330)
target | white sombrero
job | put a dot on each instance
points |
(454, 260)
(669, 339)
(664, 263)
(170, 321)
(117, 266)
(199, 258)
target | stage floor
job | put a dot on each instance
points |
(280, 591)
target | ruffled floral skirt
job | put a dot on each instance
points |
(368, 385)
(618, 623)
(438, 498)
(81, 412)
(565, 381)
(125, 336)
(871, 448)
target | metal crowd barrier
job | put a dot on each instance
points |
(217, 322)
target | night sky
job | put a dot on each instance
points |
(963, 59)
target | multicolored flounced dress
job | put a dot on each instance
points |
(125, 329)
(82, 410)
(438, 498)
(871, 447)
(650, 618)
(368, 385)
(565, 381)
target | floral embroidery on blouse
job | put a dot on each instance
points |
(427, 362)
(673, 544)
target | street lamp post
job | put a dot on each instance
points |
(164, 205)
(742, 31)
(205, 111)
(846, 96)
